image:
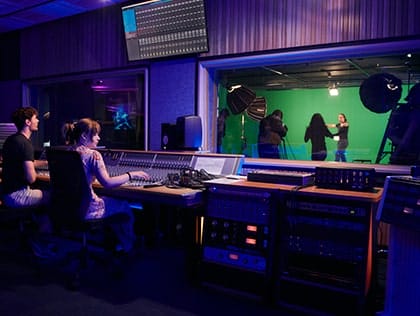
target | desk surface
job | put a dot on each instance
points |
(191, 197)
(373, 197)
(160, 195)
(184, 197)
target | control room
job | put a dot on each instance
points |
(193, 157)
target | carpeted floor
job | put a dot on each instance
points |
(155, 282)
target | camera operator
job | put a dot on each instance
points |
(272, 130)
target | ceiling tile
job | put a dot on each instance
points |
(16, 15)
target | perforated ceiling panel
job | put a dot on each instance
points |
(20, 14)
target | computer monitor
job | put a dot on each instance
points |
(162, 28)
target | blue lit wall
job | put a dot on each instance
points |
(172, 94)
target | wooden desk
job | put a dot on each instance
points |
(373, 197)
(182, 197)
(161, 207)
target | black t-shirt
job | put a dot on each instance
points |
(16, 150)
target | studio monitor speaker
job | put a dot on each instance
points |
(189, 132)
(168, 136)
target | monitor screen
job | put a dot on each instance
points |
(162, 28)
(120, 117)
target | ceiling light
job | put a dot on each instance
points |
(333, 91)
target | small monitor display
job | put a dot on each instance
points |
(120, 117)
(212, 165)
(161, 28)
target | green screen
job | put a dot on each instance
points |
(366, 128)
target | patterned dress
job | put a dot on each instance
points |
(101, 207)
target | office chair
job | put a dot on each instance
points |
(70, 198)
(18, 221)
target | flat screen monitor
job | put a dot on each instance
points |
(162, 28)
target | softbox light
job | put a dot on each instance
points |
(239, 98)
(257, 109)
(380, 92)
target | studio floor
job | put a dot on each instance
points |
(155, 282)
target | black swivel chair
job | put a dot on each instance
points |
(18, 220)
(70, 197)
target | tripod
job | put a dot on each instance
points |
(283, 149)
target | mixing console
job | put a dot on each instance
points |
(158, 166)
(161, 164)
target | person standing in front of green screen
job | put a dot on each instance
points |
(341, 137)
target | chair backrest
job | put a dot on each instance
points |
(70, 191)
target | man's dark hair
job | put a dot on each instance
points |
(21, 115)
(278, 113)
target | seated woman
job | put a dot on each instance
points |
(86, 136)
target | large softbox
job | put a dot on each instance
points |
(239, 98)
(380, 92)
(257, 109)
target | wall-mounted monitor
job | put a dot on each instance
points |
(162, 28)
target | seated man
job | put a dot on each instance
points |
(18, 171)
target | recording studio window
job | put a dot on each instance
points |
(305, 91)
(118, 102)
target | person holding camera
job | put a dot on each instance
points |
(271, 134)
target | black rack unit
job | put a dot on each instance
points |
(325, 255)
(237, 241)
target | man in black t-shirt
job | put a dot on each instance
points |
(18, 172)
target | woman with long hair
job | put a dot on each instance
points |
(316, 133)
(86, 135)
(342, 137)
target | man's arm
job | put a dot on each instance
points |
(30, 173)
